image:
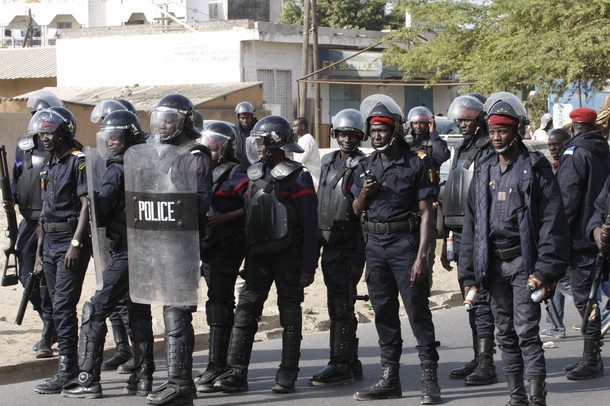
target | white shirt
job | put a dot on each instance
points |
(540, 135)
(310, 158)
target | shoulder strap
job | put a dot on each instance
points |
(284, 169)
(221, 173)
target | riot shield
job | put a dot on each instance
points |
(96, 168)
(162, 224)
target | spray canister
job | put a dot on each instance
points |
(537, 292)
(469, 301)
(450, 247)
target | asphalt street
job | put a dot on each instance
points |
(451, 328)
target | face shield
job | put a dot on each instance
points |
(43, 99)
(166, 123)
(110, 141)
(217, 143)
(45, 121)
(103, 108)
(255, 148)
(465, 108)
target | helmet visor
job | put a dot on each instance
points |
(45, 121)
(165, 124)
(255, 148)
(216, 142)
(465, 108)
(43, 99)
(110, 141)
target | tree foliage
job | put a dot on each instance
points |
(506, 44)
(354, 14)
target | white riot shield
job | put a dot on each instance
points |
(162, 224)
(96, 168)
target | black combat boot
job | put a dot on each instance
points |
(179, 390)
(217, 359)
(388, 386)
(431, 392)
(49, 337)
(537, 392)
(67, 370)
(238, 359)
(485, 372)
(469, 367)
(90, 349)
(516, 386)
(590, 365)
(286, 376)
(140, 380)
(339, 369)
(123, 350)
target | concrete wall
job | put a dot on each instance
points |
(16, 87)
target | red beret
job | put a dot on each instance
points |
(383, 120)
(499, 120)
(583, 115)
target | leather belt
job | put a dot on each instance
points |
(507, 253)
(389, 228)
(55, 227)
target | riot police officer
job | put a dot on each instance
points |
(514, 239)
(30, 157)
(340, 235)
(118, 131)
(424, 137)
(245, 122)
(172, 124)
(222, 250)
(281, 238)
(64, 247)
(583, 167)
(468, 111)
(119, 319)
(394, 188)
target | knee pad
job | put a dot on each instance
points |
(245, 317)
(92, 324)
(337, 308)
(291, 318)
(177, 321)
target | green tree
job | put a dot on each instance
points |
(354, 14)
(506, 44)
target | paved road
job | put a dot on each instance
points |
(452, 331)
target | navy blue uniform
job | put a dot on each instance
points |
(64, 181)
(583, 168)
(514, 227)
(26, 193)
(392, 246)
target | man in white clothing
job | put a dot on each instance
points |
(311, 157)
(546, 123)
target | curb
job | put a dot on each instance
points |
(44, 368)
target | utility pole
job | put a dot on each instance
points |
(302, 107)
(316, 98)
(29, 31)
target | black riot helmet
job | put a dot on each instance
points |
(43, 99)
(244, 108)
(477, 96)
(173, 115)
(466, 107)
(382, 106)
(128, 105)
(507, 104)
(219, 136)
(272, 132)
(105, 107)
(120, 130)
(54, 120)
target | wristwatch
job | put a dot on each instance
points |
(75, 243)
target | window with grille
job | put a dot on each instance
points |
(277, 89)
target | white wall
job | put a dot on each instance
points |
(164, 59)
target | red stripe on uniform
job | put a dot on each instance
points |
(299, 194)
(242, 184)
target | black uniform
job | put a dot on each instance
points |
(277, 251)
(392, 246)
(514, 227)
(343, 260)
(110, 204)
(30, 157)
(465, 161)
(222, 255)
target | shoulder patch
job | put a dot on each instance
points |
(78, 153)
(569, 151)
(82, 166)
(421, 154)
